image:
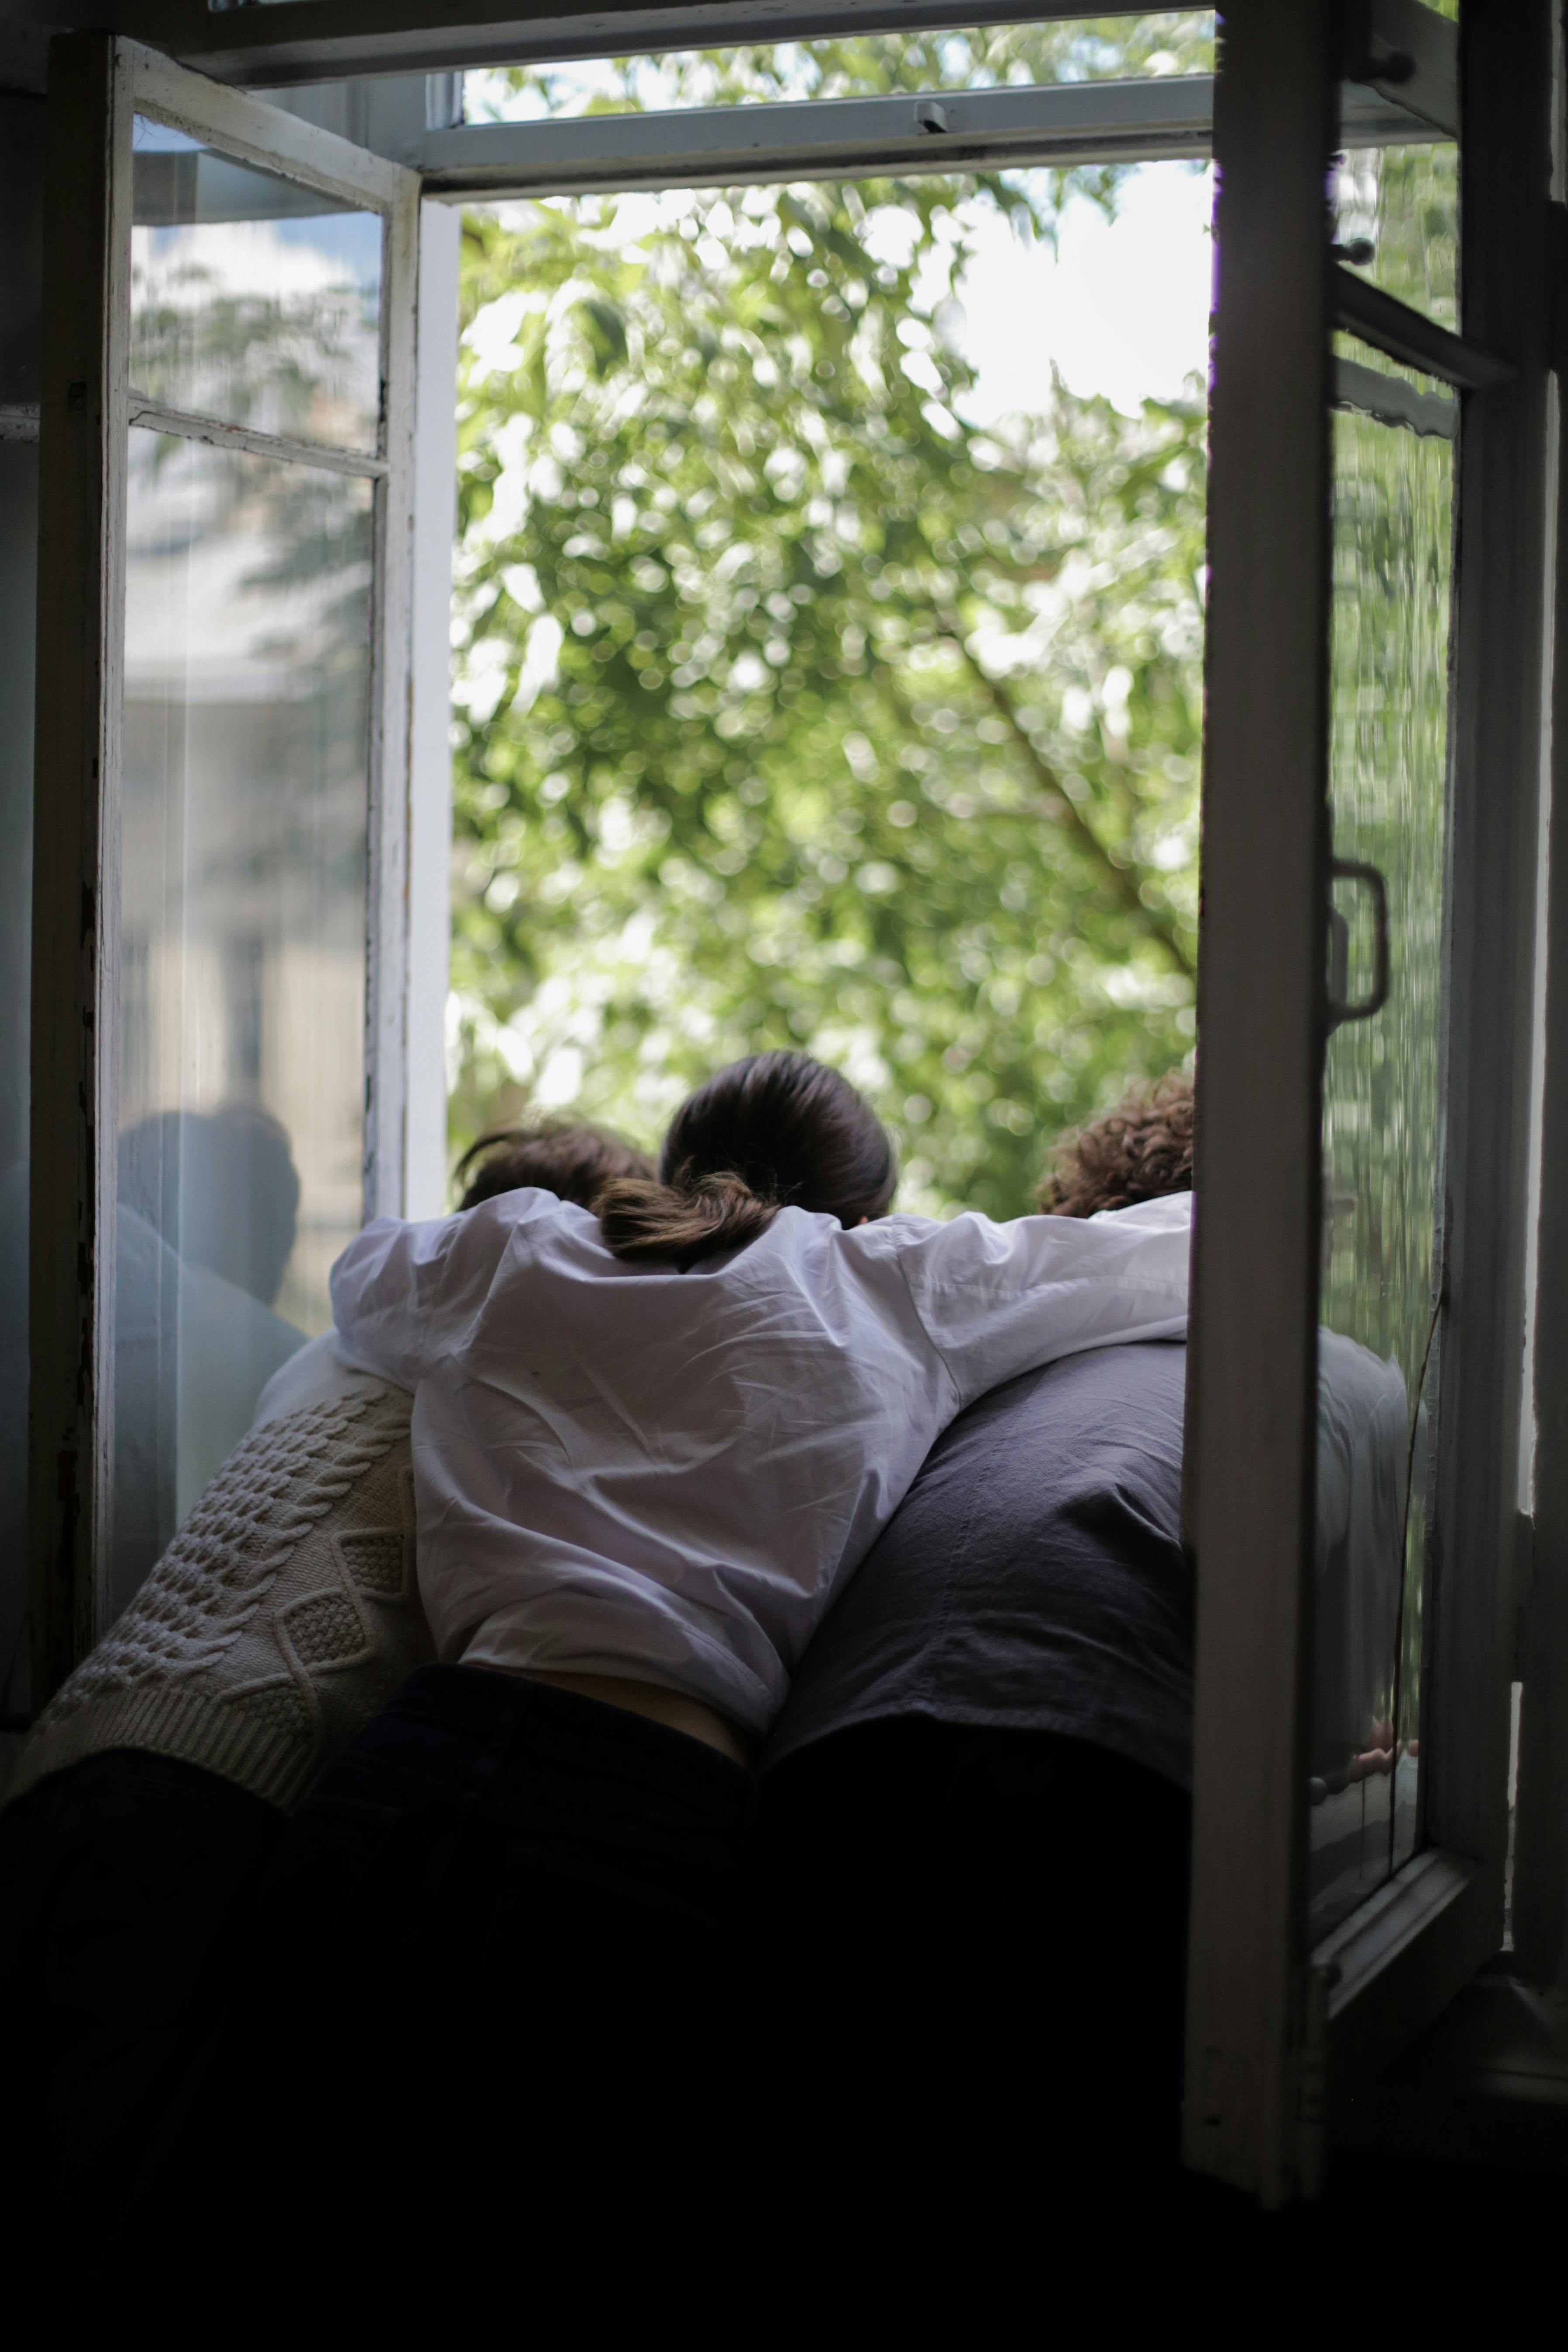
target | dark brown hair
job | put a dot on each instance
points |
(573, 1162)
(1138, 1151)
(774, 1131)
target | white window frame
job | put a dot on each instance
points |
(1058, 123)
(98, 85)
(1282, 2038)
(1277, 2034)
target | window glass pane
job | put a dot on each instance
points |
(1402, 202)
(1381, 1134)
(243, 950)
(984, 56)
(252, 300)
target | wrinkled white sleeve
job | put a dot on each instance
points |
(996, 1300)
(398, 1288)
(385, 1286)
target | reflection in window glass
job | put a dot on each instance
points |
(243, 950)
(1381, 1145)
(1403, 202)
(252, 298)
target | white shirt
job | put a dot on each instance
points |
(623, 1469)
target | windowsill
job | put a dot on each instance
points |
(1487, 2083)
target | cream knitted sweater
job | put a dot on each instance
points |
(282, 1616)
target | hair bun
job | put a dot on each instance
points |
(641, 1218)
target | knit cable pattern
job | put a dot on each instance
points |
(281, 1616)
(272, 1490)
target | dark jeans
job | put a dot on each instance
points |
(514, 1922)
(512, 1928)
(125, 1880)
(979, 1941)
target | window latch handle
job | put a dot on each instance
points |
(1342, 1008)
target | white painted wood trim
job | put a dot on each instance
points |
(278, 141)
(287, 451)
(261, 134)
(112, 773)
(1385, 1922)
(76, 859)
(387, 1010)
(942, 131)
(1061, 124)
(430, 763)
(84, 423)
(1251, 1363)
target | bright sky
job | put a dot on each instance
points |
(1120, 309)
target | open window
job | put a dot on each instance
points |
(1372, 821)
(230, 1000)
(222, 835)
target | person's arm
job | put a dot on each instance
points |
(383, 1287)
(396, 1284)
(996, 1300)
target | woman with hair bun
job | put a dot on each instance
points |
(650, 1442)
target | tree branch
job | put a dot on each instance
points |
(1122, 883)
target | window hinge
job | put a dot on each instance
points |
(1409, 53)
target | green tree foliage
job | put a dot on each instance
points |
(982, 56)
(1403, 203)
(796, 706)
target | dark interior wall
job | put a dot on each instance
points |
(21, 295)
(21, 287)
(21, 246)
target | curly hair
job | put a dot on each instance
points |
(1136, 1152)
